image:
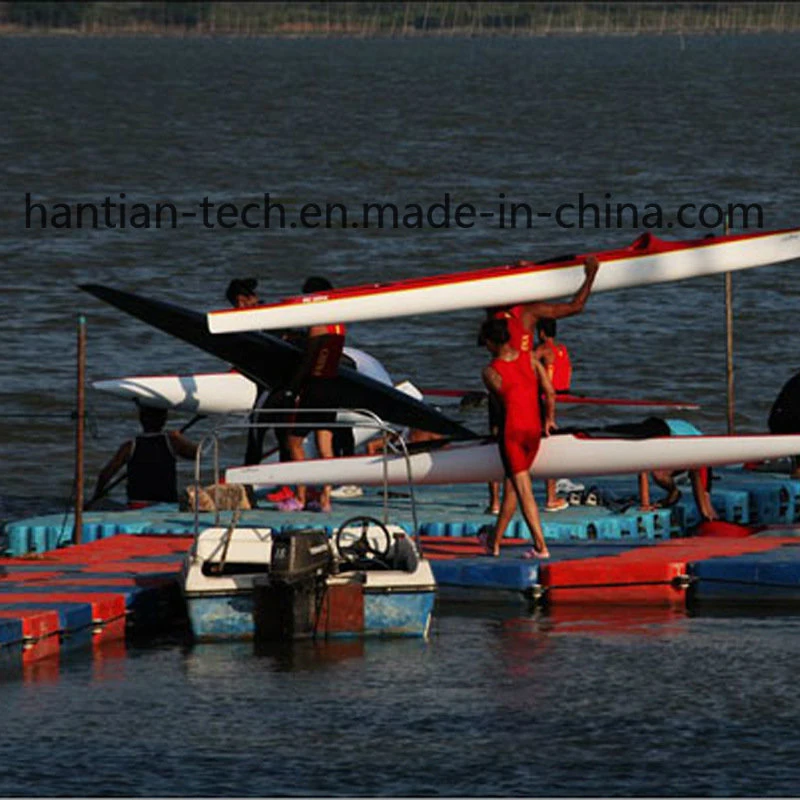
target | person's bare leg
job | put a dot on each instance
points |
(507, 509)
(297, 453)
(701, 497)
(553, 501)
(524, 491)
(664, 479)
(325, 449)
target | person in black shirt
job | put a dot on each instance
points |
(784, 416)
(150, 459)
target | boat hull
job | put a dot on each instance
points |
(228, 617)
(221, 605)
(646, 262)
(560, 456)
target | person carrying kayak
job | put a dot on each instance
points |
(313, 386)
(517, 380)
(521, 320)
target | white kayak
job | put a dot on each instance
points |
(220, 392)
(233, 393)
(209, 393)
(560, 456)
(647, 261)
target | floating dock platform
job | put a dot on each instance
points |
(739, 496)
(88, 596)
(56, 597)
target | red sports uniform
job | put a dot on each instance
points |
(521, 338)
(521, 431)
(319, 389)
(560, 371)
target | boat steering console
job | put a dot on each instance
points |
(364, 552)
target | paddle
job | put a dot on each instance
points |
(118, 480)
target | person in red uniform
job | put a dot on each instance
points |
(556, 361)
(312, 384)
(553, 355)
(522, 321)
(517, 380)
(150, 458)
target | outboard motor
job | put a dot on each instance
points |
(286, 605)
(299, 556)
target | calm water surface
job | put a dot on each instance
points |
(642, 119)
(490, 705)
(623, 703)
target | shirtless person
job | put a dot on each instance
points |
(521, 321)
(517, 379)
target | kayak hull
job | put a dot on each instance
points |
(647, 261)
(560, 456)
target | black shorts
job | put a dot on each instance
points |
(318, 394)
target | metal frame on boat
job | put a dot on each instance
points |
(369, 579)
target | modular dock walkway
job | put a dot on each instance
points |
(738, 495)
(88, 595)
(56, 597)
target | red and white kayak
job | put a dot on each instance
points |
(647, 261)
(560, 456)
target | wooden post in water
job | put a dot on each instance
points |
(79, 430)
(729, 342)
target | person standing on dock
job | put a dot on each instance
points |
(313, 386)
(556, 361)
(151, 461)
(517, 380)
(521, 320)
(241, 293)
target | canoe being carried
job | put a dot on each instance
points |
(270, 361)
(560, 456)
(647, 261)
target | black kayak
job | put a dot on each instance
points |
(268, 360)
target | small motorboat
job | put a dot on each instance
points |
(368, 579)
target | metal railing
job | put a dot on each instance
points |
(394, 444)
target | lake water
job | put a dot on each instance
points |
(580, 704)
(489, 706)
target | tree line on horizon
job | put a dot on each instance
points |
(395, 19)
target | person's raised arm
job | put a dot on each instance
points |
(549, 396)
(533, 311)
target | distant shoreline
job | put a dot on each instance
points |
(122, 33)
(365, 20)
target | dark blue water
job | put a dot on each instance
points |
(596, 705)
(580, 704)
(646, 120)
